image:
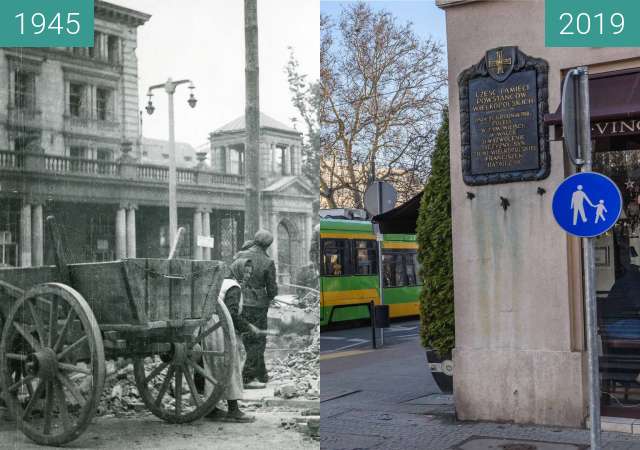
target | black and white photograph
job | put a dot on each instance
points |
(158, 201)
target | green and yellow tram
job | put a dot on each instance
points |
(349, 273)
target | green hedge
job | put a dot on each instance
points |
(435, 250)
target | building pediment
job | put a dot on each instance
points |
(289, 186)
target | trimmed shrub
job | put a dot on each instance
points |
(435, 250)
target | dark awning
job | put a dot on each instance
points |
(612, 95)
(401, 219)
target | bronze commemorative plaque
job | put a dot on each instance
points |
(503, 100)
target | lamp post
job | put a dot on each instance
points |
(170, 88)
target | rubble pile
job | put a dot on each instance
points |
(120, 396)
(297, 375)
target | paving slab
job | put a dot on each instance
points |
(488, 443)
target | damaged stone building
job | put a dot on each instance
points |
(71, 146)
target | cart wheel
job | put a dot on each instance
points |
(52, 365)
(181, 387)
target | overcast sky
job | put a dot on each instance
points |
(204, 40)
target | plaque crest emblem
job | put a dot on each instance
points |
(500, 62)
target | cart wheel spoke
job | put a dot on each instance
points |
(22, 381)
(165, 386)
(73, 368)
(73, 389)
(17, 356)
(201, 371)
(208, 331)
(48, 407)
(65, 328)
(27, 336)
(33, 400)
(192, 387)
(178, 390)
(155, 372)
(72, 347)
(62, 405)
(53, 321)
(37, 320)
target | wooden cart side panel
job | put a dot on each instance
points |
(207, 280)
(105, 289)
(23, 278)
(180, 300)
(158, 290)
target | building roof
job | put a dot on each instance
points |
(239, 124)
(117, 13)
(156, 151)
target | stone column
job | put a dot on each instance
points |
(131, 231)
(25, 235)
(37, 236)
(287, 160)
(298, 160)
(121, 233)
(197, 231)
(274, 231)
(206, 231)
(274, 158)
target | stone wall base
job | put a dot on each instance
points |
(520, 386)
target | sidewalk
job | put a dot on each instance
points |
(386, 399)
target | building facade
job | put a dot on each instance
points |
(520, 350)
(71, 147)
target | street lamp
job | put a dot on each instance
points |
(170, 88)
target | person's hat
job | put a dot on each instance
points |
(263, 238)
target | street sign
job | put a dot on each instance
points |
(379, 197)
(205, 241)
(587, 204)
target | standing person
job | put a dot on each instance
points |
(231, 295)
(259, 291)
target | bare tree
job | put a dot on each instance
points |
(305, 96)
(382, 96)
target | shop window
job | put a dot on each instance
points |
(77, 99)
(25, 90)
(334, 257)
(104, 101)
(366, 257)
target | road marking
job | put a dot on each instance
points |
(334, 355)
(400, 328)
(354, 343)
(333, 338)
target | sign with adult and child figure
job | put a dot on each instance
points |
(587, 204)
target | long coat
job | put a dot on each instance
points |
(261, 287)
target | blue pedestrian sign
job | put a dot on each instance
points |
(587, 204)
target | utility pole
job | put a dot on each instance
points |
(252, 121)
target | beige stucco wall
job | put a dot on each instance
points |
(518, 320)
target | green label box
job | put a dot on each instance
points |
(46, 23)
(592, 23)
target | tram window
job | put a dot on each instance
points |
(410, 268)
(400, 269)
(334, 256)
(366, 257)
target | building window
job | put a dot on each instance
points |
(24, 142)
(25, 90)
(113, 49)
(104, 102)
(236, 161)
(77, 99)
(77, 154)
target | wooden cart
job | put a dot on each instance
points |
(62, 322)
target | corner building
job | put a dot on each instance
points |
(520, 325)
(71, 146)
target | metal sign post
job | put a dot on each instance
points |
(577, 130)
(378, 198)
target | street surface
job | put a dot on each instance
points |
(387, 399)
(145, 431)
